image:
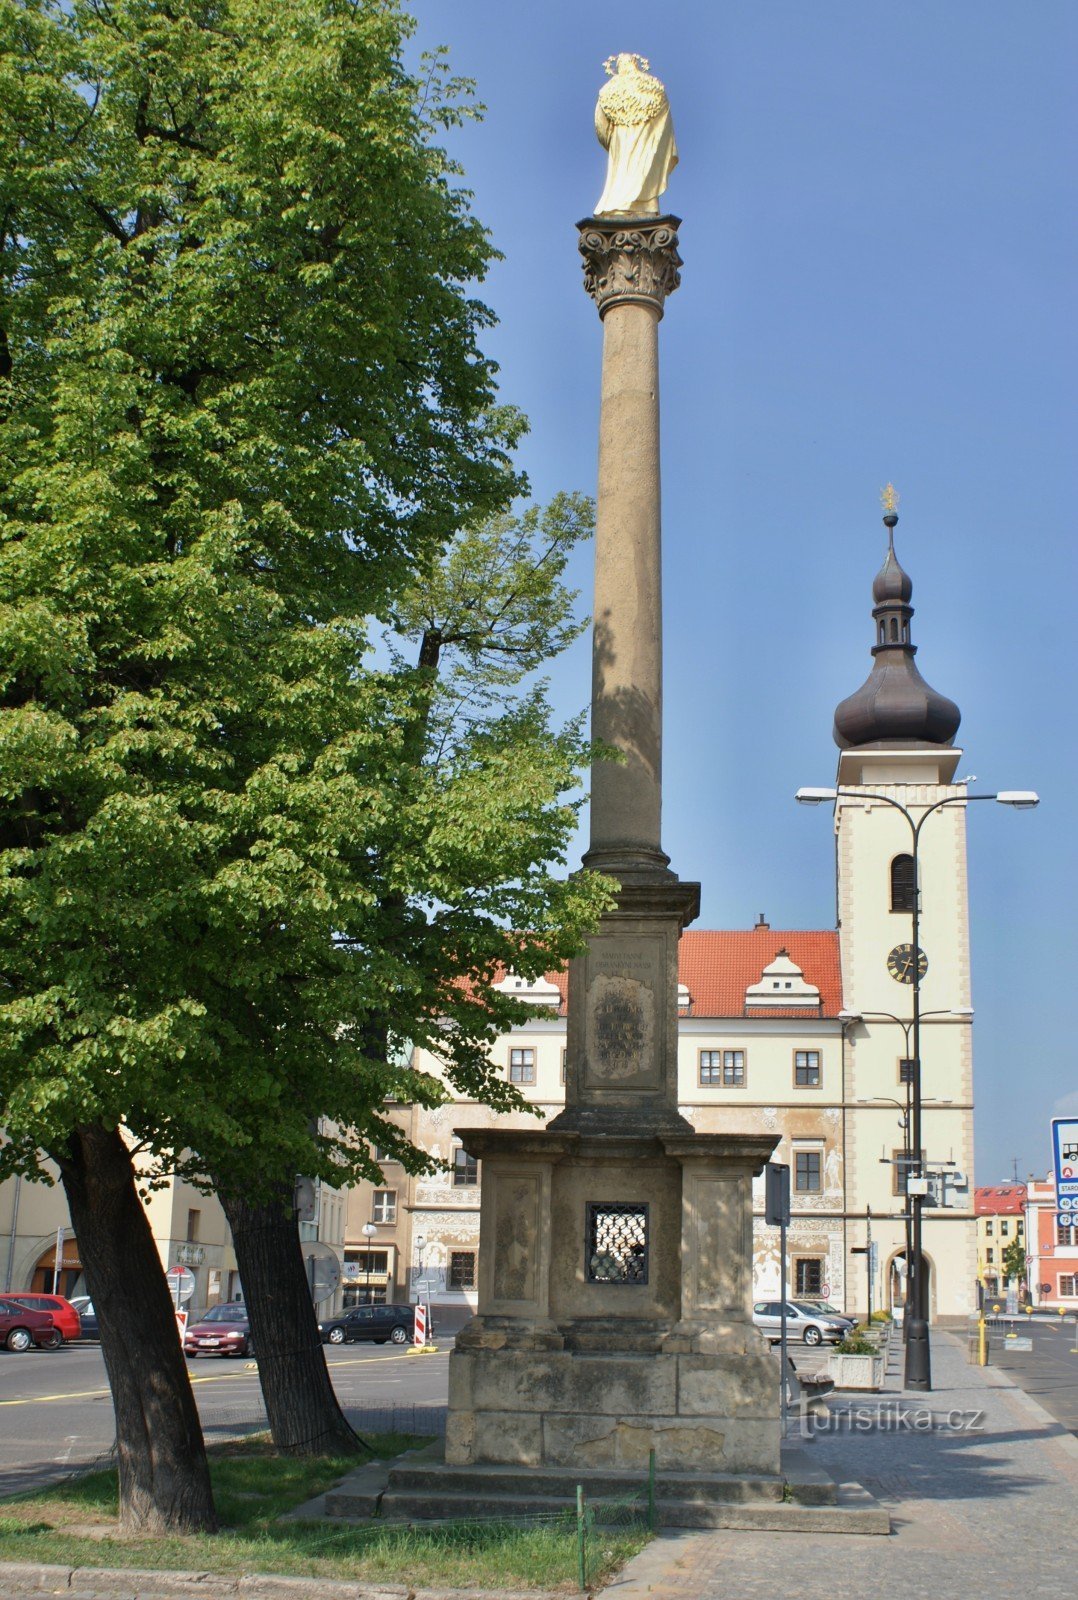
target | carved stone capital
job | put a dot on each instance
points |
(630, 260)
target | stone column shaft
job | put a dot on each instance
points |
(631, 265)
(626, 692)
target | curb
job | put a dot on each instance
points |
(18, 1578)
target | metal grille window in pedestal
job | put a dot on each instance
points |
(616, 1246)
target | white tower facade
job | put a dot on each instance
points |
(898, 805)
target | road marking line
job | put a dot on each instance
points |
(219, 1377)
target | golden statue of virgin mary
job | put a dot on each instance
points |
(632, 120)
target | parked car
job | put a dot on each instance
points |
(20, 1327)
(223, 1331)
(63, 1312)
(377, 1323)
(811, 1324)
(87, 1316)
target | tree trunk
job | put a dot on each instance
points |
(164, 1475)
(304, 1416)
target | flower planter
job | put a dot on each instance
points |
(856, 1372)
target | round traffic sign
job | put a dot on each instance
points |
(181, 1283)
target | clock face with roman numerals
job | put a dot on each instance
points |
(904, 961)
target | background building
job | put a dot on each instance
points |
(1001, 1211)
(1053, 1249)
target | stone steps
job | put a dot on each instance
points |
(561, 1483)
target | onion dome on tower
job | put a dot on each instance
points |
(894, 706)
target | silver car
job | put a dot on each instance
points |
(808, 1323)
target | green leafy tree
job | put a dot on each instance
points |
(478, 775)
(242, 404)
(1014, 1261)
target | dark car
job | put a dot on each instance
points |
(377, 1323)
(223, 1331)
(87, 1316)
(63, 1312)
(20, 1327)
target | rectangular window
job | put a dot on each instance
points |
(808, 1168)
(564, 1062)
(462, 1269)
(375, 1261)
(465, 1168)
(807, 1069)
(1020, 1228)
(808, 1277)
(725, 1067)
(193, 1220)
(1004, 1228)
(384, 1205)
(522, 1066)
(1064, 1236)
(1067, 1285)
(990, 1255)
(989, 1229)
(710, 1066)
(905, 1070)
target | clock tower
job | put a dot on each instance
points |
(896, 737)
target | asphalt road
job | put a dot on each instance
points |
(1048, 1372)
(56, 1409)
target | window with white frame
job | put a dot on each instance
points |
(384, 1205)
(1065, 1236)
(522, 1065)
(1067, 1285)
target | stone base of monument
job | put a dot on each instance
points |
(422, 1487)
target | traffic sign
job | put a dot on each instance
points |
(181, 1284)
(1065, 1154)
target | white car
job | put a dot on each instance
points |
(806, 1322)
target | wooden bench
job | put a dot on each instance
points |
(811, 1390)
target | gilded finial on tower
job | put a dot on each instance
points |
(889, 500)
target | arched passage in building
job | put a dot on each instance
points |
(45, 1279)
(895, 1287)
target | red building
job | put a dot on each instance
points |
(1053, 1250)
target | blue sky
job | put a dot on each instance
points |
(879, 236)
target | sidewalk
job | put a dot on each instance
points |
(981, 1484)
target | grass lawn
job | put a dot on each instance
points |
(74, 1524)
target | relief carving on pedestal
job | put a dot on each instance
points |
(620, 1032)
(516, 1239)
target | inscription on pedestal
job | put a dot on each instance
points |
(620, 1030)
(621, 1021)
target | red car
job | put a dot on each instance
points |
(223, 1331)
(61, 1311)
(20, 1327)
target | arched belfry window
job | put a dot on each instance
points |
(903, 885)
(894, 628)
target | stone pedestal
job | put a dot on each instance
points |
(615, 1311)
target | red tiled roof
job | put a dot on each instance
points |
(716, 965)
(999, 1200)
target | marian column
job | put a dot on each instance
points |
(621, 1062)
(615, 1258)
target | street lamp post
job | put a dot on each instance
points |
(369, 1230)
(963, 1013)
(918, 1373)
